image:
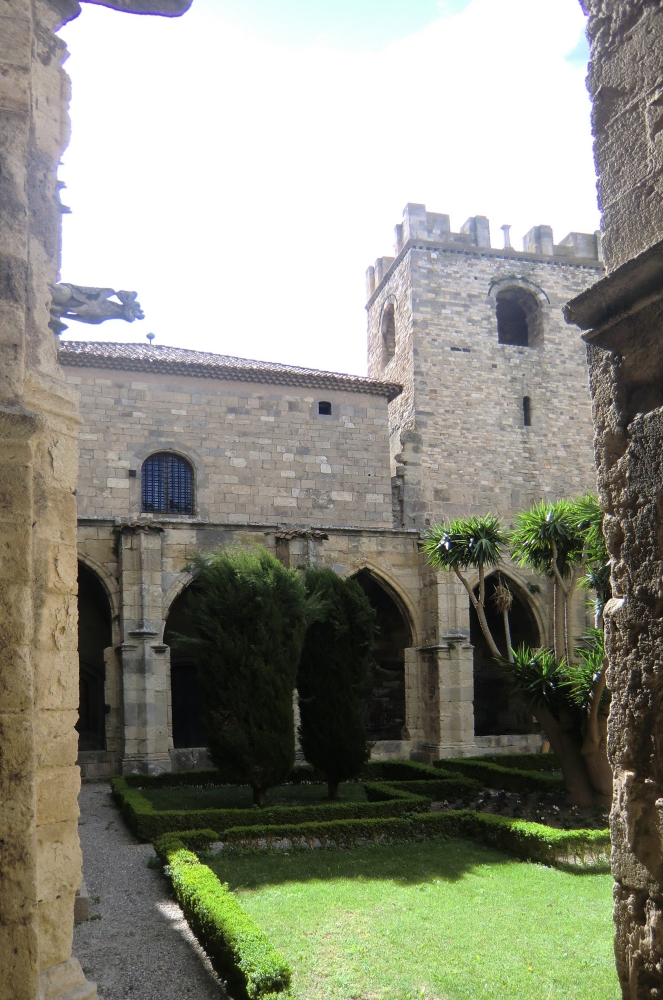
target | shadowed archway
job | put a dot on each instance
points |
(498, 711)
(94, 636)
(384, 700)
(186, 693)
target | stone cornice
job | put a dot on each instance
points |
(97, 520)
(629, 287)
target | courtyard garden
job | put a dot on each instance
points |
(355, 879)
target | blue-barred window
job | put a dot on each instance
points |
(167, 484)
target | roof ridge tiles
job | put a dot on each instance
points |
(204, 364)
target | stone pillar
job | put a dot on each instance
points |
(440, 673)
(622, 314)
(145, 659)
(417, 696)
(40, 861)
(113, 701)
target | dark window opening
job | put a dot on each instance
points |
(388, 334)
(94, 636)
(517, 314)
(527, 411)
(384, 697)
(324, 408)
(167, 484)
(498, 710)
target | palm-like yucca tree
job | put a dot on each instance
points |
(547, 539)
(570, 701)
(587, 519)
(469, 543)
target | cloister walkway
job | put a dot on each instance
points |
(136, 944)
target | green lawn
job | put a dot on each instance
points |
(241, 796)
(443, 920)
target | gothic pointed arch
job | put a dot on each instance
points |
(384, 696)
(187, 703)
(499, 711)
(95, 634)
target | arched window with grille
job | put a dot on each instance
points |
(167, 484)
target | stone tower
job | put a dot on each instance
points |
(495, 412)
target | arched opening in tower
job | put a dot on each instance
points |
(498, 710)
(384, 698)
(517, 317)
(94, 636)
(186, 693)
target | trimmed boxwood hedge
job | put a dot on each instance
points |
(511, 779)
(385, 800)
(524, 840)
(210, 777)
(454, 787)
(238, 949)
(402, 770)
(525, 761)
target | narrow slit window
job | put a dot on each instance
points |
(388, 334)
(527, 411)
(324, 408)
(167, 484)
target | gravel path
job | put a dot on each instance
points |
(137, 943)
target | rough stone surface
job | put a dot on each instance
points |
(623, 315)
(40, 855)
(625, 84)
(137, 942)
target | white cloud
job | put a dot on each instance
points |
(242, 188)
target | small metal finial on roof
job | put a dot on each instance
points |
(507, 237)
(150, 337)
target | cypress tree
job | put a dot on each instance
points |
(249, 615)
(333, 669)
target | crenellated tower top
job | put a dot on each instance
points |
(427, 229)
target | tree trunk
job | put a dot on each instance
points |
(565, 743)
(259, 796)
(556, 619)
(594, 744)
(507, 635)
(481, 615)
(333, 789)
(567, 648)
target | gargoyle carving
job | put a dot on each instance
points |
(91, 305)
(166, 8)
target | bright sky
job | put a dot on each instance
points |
(240, 167)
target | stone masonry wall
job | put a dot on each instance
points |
(40, 861)
(260, 453)
(627, 119)
(622, 316)
(463, 445)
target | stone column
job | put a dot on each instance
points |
(417, 696)
(113, 701)
(622, 314)
(145, 659)
(40, 861)
(440, 673)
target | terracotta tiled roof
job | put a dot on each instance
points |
(178, 361)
